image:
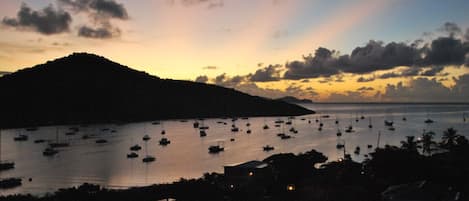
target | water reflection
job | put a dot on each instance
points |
(187, 155)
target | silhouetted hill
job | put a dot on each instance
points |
(85, 88)
(291, 99)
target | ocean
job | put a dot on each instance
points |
(187, 155)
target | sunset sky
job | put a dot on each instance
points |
(368, 50)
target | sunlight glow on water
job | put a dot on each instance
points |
(187, 156)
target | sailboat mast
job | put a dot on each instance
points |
(379, 136)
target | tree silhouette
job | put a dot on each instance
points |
(427, 142)
(410, 144)
(449, 138)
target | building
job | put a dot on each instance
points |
(248, 175)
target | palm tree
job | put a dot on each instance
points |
(427, 142)
(410, 144)
(449, 138)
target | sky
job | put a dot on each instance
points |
(330, 51)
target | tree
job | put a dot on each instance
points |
(427, 142)
(449, 138)
(410, 144)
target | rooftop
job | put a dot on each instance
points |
(250, 164)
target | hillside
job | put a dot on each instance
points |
(86, 88)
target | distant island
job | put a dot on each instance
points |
(291, 99)
(85, 88)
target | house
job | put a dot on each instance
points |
(248, 175)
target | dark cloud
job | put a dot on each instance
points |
(100, 33)
(267, 74)
(365, 89)
(451, 28)
(210, 67)
(46, 21)
(433, 71)
(446, 51)
(376, 55)
(410, 71)
(226, 81)
(389, 75)
(100, 13)
(202, 79)
(363, 79)
(98, 8)
(419, 90)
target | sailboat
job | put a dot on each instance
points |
(147, 158)
(370, 125)
(428, 120)
(4, 165)
(58, 144)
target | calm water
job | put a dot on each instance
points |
(187, 156)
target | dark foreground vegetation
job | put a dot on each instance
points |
(86, 88)
(417, 170)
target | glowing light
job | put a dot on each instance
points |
(251, 173)
(290, 187)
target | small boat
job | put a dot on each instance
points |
(232, 139)
(288, 123)
(6, 165)
(195, 124)
(369, 124)
(370, 146)
(388, 123)
(101, 141)
(135, 147)
(39, 141)
(58, 144)
(132, 155)
(202, 133)
(10, 183)
(203, 127)
(234, 129)
(339, 133)
(357, 150)
(280, 134)
(164, 141)
(163, 132)
(362, 117)
(146, 138)
(277, 125)
(215, 149)
(248, 124)
(279, 122)
(349, 129)
(325, 116)
(429, 121)
(148, 159)
(321, 124)
(320, 128)
(268, 148)
(391, 128)
(404, 119)
(248, 131)
(284, 137)
(49, 151)
(339, 146)
(21, 138)
(156, 123)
